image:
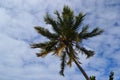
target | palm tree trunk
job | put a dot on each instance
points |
(81, 69)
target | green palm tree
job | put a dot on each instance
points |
(66, 38)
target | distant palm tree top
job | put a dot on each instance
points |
(66, 39)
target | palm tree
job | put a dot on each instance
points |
(111, 76)
(66, 38)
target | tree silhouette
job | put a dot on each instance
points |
(111, 77)
(66, 39)
(92, 78)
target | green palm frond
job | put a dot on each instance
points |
(44, 45)
(96, 31)
(49, 20)
(68, 17)
(78, 20)
(72, 55)
(93, 33)
(59, 18)
(89, 53)
(40, 45)
(43, 53)
(63, 63)
(84, 30)
(78, 36)
(44, 32)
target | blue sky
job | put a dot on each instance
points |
(19, 62)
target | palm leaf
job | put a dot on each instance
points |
(44, 32)
(59, 18)
(47, 50)
(49, 20)
(43, 53)
(68, 17)
(44, 45)
(72, 55)
(78, 21)
(63, 63)
(89, 53)
(93, 33)
(84, 30)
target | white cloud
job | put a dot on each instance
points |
(18, 61)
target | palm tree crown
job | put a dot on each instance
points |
(66, 39)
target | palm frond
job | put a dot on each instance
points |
(44, 32)
(49, 20)
(77, 37)
(84, 30)
(72, 55)
(68, 17)
(63, 63)
(78, 20)
(39, 45)
(47, 50)
(59, 18)
(44, 45)
(43, 53)
(93, 33)
(89, 53)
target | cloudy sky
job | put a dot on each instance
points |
(19, 62)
